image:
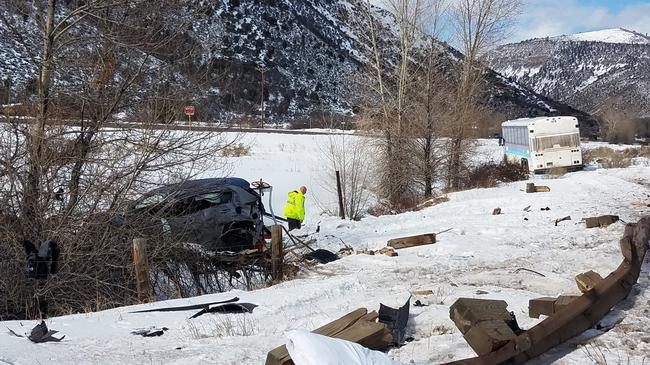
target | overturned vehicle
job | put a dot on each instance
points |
(219, 214)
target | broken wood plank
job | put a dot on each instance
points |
(563, 301)
(388, 251)
(588, 280)
(541, 306)
(412, 241)
(601, 221)
(483, 323)
(488, 336)
(532, 188)
(496, 211)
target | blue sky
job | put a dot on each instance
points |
(542, 18)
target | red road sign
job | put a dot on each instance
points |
(189, 110)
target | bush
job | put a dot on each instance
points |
(491, 174)
(609, 158)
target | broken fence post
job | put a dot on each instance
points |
(141, 270)
(277, 253)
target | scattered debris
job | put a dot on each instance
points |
(531, 188)
(228, 308)
(359, 326)
(588, 280)
(481, 292)
(421, 292)
(418, 303)
(525, 218)
(527, 209)
(601, 221)
(346, 251)
(388, 251)
(567, 218)
(547, 208)
(396, 320)
(39, 334)
(412, 241)
(529, 270)
(366, 252)
(496, 211)
(485, 324)
(321, 255)
(548, 305)
(188, 307)
(569, 316)
(150, 332)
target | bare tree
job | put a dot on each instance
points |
(479, 25)
(349, 155)
(389, 101)
(96, 143)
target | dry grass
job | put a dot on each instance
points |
(609, 158)
(236, 150)
(222, 325)
(489, 175)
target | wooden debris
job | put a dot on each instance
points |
(548, 305)
(496, 211)
(567, 218)
(412, 241)
(541, 306)
(388, 251)
(588, 280)
(483, 323)
(421, 292)
(366, 252)
(346, 251)
(532, 188)
(601, 221)
(573, 315)
(358, 326)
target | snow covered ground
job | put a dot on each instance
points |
(479, 254)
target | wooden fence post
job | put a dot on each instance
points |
(277, 253)
(340, 193)
(141, 265)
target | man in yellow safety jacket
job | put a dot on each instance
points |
(294, 210)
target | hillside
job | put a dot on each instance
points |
(592, 71)
(303, 58)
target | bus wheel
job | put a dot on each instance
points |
(524, 165)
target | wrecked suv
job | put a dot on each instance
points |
(219, 214)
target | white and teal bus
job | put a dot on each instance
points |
(540, 144)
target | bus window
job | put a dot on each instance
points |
(567, 140)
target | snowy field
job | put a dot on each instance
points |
(478, 255)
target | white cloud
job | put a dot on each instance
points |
(547, 18)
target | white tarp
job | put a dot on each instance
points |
(308, 348)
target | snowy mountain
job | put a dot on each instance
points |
(285, 59)
(590, 71)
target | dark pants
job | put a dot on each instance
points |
(293, 223)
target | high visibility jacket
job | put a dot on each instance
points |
(295, 207)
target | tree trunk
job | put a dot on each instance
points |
(31, 209)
